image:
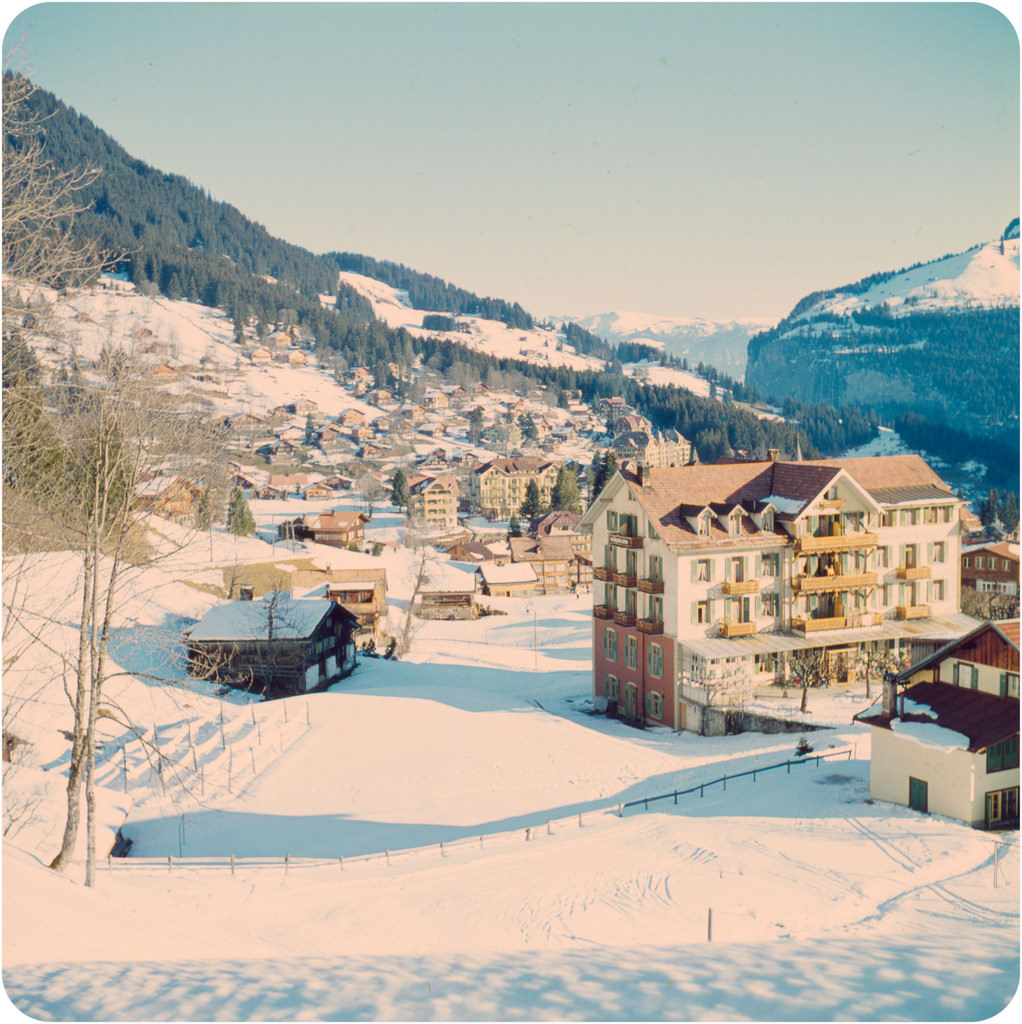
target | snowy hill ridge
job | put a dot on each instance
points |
(985, 276)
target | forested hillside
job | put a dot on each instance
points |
(170, 236)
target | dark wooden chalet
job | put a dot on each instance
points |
(277, 645)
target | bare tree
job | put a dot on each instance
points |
(807, 663)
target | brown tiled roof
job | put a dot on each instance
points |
(526, 549)
(669, 494)
(522, 464)
(1009, 629)
(983, 717)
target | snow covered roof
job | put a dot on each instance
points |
(510, 572)
(250, 620)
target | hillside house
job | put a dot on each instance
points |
(708, 577)
(277, 645)
(447, 593)
(362, 590)
(497, 488)
(173, 498)
(557, 567)
(433, 501)
(508, 579)
(948, 742)
(339, 528)
(991, 568)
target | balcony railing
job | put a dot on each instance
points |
(829, 584)
(624, 579)
(728, 628)
(652, 627)
(738, 587)
(624, 618)
(602, 611)
(914, 572)
(913, 611)
(603, 574)
(648, 586)
(838, 542)
(621, 540)
(817, 625)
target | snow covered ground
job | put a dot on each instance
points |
(439, 838)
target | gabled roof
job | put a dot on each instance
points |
(509, 573)
(542, 549)
(984, 718)
(1008, 631)
(250, 620)
(671, 495)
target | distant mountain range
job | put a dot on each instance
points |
(719, 343)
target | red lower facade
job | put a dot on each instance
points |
(636, 670)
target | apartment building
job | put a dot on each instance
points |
(497, 488)
(707, 577)
(433, 501)
(991, 568)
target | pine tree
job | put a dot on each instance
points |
(533, 505)
(514, 527)
(565, 493)
(399, 489)
(203, 512)
(239, 515)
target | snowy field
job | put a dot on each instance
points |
(442, 838)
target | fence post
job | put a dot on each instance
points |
(548, 826)
(620, 810)
(442, 853)
(754, 776)
(700, 791)
(725, 782)
(251, 750)
(579, 819)
(676, 797)
(308, 721)
(124, 761)
(232, 865)
(709, 924)
(527, 831)
(387, 852)
(251, 708)
(285, 711)
(341, 862)
(788, 763)
(645, 803)
(170, 863)
(287, 862)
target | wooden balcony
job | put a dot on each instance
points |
(818, 625)
(647, 586)
(736, 588)
(621, 540)
(624, 618)
(913, 611)
(831, 502)
(651, 627)
(830, 584)
(624, 579)
(838, 542)
(915, 572)
(602, 611)
(728, 628)
(603, 574)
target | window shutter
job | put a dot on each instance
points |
(975, 678)
(695, 569)
(1004, 684)
(727, 568)
(956, 674)
(712, 571)
(694, 613)
(759, 607)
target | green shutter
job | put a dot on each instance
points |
(727, 568)
(695, 569)
(975, 678)
(1004, 684)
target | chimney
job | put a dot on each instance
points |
(890, 697)
(773, 454)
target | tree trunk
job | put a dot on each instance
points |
(805, 694)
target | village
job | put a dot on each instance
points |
(427, 617)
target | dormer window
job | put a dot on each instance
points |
(734, 523)
(704, 524)
(768, 520)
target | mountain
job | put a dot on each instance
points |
(937, 342)
(718, 343)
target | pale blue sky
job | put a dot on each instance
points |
(680, 159)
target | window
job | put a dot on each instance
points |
(938, 551)
(734, 523)
(1009, 684)
(967, 562)
(980, 562)
(613, 688)
(771, 605)
(883, 558)
(703, 570)
(768, 520)
(656, 568)
(888, 518)
(1002, 806)
(702, 611)
(1003, 755)
(704, 524)
(655, 660)
(654, 705)
(938, 590)
(611, 520)
(772, 564)
(631, 652)
(610, 644)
